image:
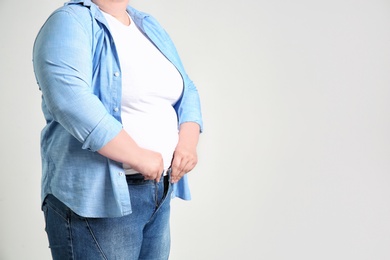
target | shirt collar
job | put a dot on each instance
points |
(136, 15)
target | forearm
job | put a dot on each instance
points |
(185, 156)
(122, 148)
(189, 134)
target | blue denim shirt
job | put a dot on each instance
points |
(77, 69)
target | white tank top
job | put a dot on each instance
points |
(151, 85)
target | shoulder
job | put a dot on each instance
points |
(68, 25)
(74, 14)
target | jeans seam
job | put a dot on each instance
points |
(56, 210)
(69, 221)
(156, 195)
(66, 218)
(94, 239)
(163, 200)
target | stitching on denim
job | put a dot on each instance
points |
(156, 195)
(163, 200)
(94, 239)
(70, 238)
(55, 209)
(68, 228)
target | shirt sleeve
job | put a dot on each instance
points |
(188, 107)
(63, 66)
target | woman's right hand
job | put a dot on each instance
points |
(149, 163)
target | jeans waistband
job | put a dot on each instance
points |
(138, 177)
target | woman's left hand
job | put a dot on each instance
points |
(185, 156)
(184, 160)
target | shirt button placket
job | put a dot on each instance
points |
(116, 74)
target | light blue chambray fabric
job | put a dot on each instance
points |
(78, 72)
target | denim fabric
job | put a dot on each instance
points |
(144, 234)
(78, 71)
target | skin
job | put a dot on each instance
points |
(124, 149)
(116, 8)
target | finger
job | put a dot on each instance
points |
(159, 176)
(179, 174)
(156, 174)
(175, 166)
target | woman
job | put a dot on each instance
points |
(123, 121)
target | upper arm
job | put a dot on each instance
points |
(63, 66)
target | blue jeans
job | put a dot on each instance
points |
(144, 234)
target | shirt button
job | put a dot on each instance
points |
(116, 109)
(120, 173)
(116, 74)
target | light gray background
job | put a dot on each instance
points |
(295, 158)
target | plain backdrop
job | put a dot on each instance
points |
(294, 161)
